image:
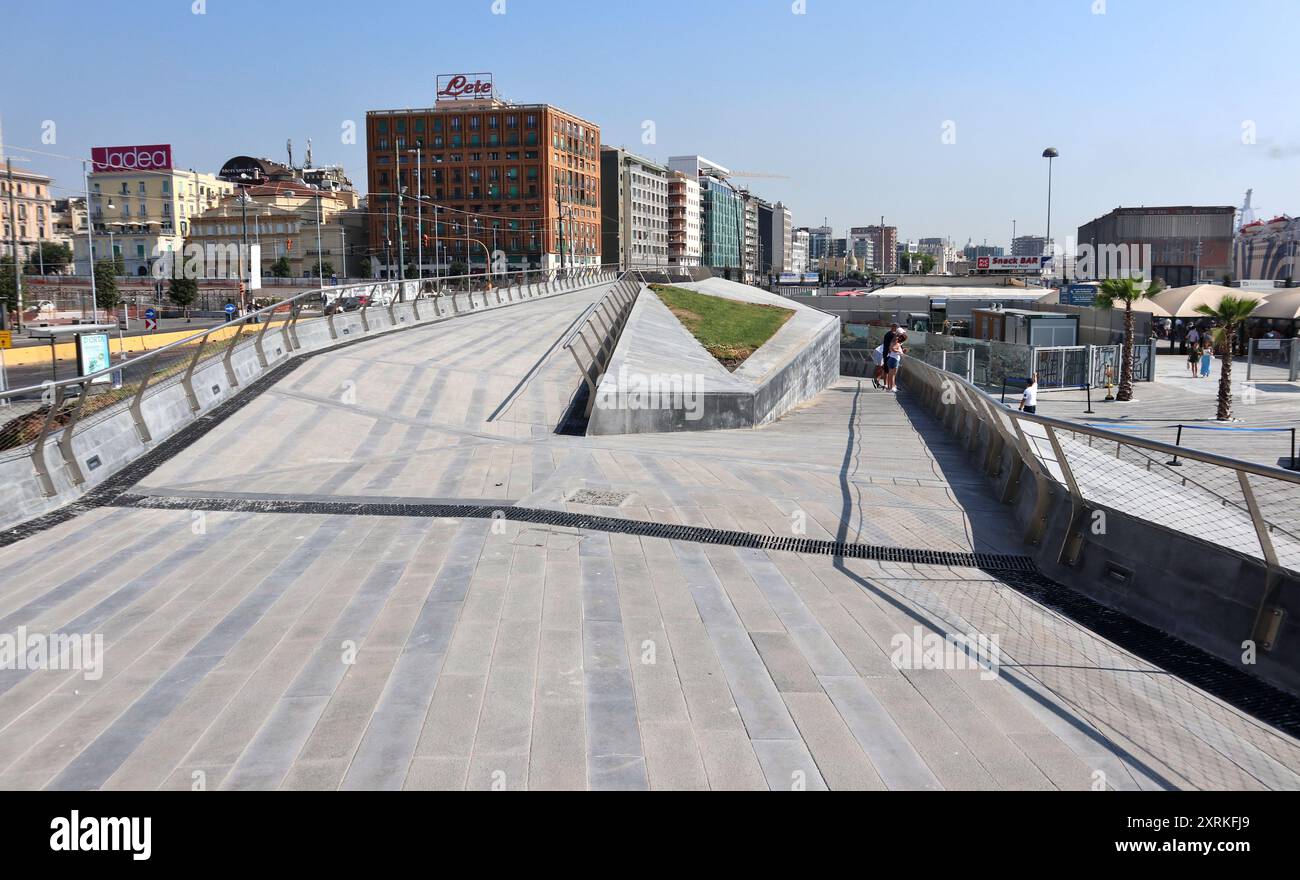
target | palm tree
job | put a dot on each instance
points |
(1228, 314)
(1127, 291)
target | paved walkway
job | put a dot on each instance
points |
(265, 649)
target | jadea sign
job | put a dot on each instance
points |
(464, 86)
(144, 158)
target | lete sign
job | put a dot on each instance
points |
(144, 158)
(464, 86)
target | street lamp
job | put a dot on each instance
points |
(1049, 154)
(419, 214)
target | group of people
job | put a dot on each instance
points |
(888, 356)
(1200, 355)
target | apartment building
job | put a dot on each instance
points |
(634, 200)
(684, 217)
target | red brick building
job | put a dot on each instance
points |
(495, 177)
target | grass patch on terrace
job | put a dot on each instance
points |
(730, 330)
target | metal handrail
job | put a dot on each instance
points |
(976, 408)
(411, 284)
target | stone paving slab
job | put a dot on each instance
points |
(269, 650)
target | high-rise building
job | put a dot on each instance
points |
(684, 245)
(722, 212)
(884, 242)
(520, 179)
(819, 245)
(775, 244)
(939, 249)
(799, 251)
(141, 207)
(974, 251)
(634, 198)
(861, 243)
(1028, 246)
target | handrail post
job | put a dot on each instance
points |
(187, 380)
(65, 438)
(137, 410)
(286, 328)
(38, 448)
(230, 351)
(365, 322)
(257, 342)
(1257, 520)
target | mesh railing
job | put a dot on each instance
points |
(1243, 507)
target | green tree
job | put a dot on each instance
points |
(326, 269)
(8, 291)
(105, 284)
(184, 292)
(52, 255)
(927, 263)
(457, 268)
(1110, 293)
(281, 269)
(1229, 314)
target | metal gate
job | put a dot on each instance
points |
(1276, 360)
(1079, 366)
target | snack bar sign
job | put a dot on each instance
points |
(465, 86)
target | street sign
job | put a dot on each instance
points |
(6, 339)
(150, 324)
(150, 314)
(1079, 295)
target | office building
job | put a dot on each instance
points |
(634, 199)
(684, 210)
(1187, 244)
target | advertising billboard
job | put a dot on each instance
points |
(1009, 264)
(465, 86)
(154, 157)
(92, 355)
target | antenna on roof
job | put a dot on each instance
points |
(288, 145)
(307, 164)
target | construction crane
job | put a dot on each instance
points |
(758, 175)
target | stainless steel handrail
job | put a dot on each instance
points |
(412, 285)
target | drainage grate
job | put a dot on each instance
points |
(1207, 672)
(616, 525)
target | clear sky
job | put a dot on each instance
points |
(1148, 101)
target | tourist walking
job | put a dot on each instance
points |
(1193, 358)
(879, 355)
(1207, 355)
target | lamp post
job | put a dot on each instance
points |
(320, 257)
(419, 214)
(1049, 154)
(401, 248)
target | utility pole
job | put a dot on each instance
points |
(90, 242)
(320, 257)
(13, 242)
(419, 216)
(397, 180)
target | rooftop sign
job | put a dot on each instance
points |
(465, 86)
(156, 157)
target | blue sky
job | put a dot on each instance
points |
(1148, 101)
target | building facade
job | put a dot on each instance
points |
(884, 243)
(310, 229)
(1188, 244)
(28, 212)
(142, 214)
(862, 245)
(634, 204)
(684, 209)
(1029, 246)
(514, 184)
(799, 251)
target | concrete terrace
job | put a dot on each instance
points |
(499, 653)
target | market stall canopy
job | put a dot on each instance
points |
(1182, 302)
(1281, 303)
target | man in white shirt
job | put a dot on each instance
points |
(1029, 400)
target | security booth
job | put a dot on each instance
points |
(1025, 327)
(91, 341)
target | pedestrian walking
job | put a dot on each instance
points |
(1207, 355)
(1193, 359)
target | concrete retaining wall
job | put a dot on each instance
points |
(105, 442)
(656, 351)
